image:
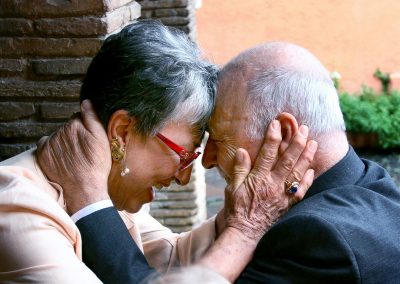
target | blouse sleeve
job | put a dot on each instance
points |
(164, 249)
(39, 243)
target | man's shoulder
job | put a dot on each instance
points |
(352, 224)
(350, 205)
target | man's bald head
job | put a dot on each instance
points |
(279, 54)
(280, 77)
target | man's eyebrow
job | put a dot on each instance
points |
(210, 130)
(214, 136)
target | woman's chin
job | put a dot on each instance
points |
(135, 204)
(133, 207)
(133, 210)
(130, 207)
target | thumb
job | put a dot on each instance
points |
(90, 118)
(241, 168)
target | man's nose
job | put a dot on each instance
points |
(183, 177)
(209, 159)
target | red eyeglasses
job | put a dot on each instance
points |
(186, 158)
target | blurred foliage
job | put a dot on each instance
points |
(384, 78)
(370, 112)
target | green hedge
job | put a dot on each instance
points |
(369, 112)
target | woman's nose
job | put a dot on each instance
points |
(209, 159)
(183, 177)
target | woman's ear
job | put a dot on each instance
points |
(119, 125)
(289, 128)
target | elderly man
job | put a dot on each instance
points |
(346, 230)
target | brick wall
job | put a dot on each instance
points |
(45, 49)
(175, 13)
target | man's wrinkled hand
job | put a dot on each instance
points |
(77, 156)
(257, 197)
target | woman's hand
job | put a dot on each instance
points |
(77, 156)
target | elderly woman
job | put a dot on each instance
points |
(153, 95)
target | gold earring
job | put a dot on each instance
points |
(117, 152)
(118, 155)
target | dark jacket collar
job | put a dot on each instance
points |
(347, 171)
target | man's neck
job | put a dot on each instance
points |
(332, 148)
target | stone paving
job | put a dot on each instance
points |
(215, 184)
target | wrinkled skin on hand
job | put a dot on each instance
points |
(255, 199)
(77, 156)
(253, 212)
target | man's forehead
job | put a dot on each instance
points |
(217, 128)
(228, 109)
(227, 122)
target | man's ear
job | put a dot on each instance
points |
(289, 128)
(120, 125)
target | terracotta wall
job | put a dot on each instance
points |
(353, 37)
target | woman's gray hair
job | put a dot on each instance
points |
(155, 73)
(309, 96)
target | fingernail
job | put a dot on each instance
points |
(239, 156)
(275, 124)
(303, 130)
(85, 104)
(312, 145)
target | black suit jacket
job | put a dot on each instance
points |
(109, 250)
(346, 230)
